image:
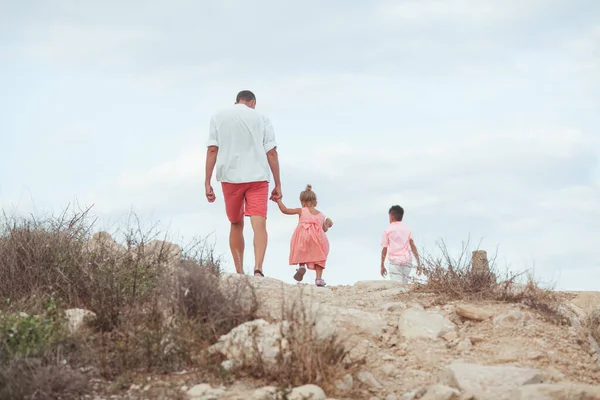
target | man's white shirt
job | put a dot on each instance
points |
(243, 136)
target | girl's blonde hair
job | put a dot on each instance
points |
(308, 196)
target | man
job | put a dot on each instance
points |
(242, 146)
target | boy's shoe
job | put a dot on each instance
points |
(299, 275)
(320, 282)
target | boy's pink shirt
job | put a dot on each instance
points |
(396, 238)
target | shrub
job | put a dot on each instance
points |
(455, 278)
(157, 307)
(592, 324)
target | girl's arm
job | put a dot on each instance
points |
(328, 223)
(288, 211)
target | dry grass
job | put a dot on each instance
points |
(308, 354)
(455, 278)
(156, 311)
(592, 324)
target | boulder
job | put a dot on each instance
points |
(557, 391)
(307, 392)
(265, 393)
(440, 392)
(424, 324)
(251, 342)
(488, 382)
(77, 317)
(473, 313)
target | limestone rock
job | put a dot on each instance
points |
(472, 312)
(557, 391)
(450, 336)
(265, 393)
(369, 380)
(440, 392)
(307, 392)
(587, 301)
(241, 344)
(464, 345)
(205, 392)
(77, 317)
(512, 319)
(424, 324)
(488, 382)
(345, 384)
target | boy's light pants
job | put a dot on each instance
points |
(399, 273)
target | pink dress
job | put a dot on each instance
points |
(309, 243)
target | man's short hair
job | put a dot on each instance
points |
(245, 95)
(397, 213)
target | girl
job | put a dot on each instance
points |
(309, 246)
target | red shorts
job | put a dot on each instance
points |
(245, 198)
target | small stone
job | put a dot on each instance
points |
(265, 393)
(389, 369)
(424, 324)
(473, 313)
(477, 339)
(345, 384)
(199, 390)
(307, 392)
(227, 365)
(440, 392)
(391, 396)
(450, 336)
(368, 379)
(464, 345)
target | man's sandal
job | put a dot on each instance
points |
(258, 272)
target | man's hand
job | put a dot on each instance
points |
(383, 271)
(276, 194)
(210, 194)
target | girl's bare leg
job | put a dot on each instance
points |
(319, 271)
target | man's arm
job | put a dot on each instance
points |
(270, 147)
(273, 158)
(211, 160)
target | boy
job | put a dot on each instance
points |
(397, 243)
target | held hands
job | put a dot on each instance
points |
(276, 194)
(328, 223)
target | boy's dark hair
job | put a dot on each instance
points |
(397, 212)
(245, 95)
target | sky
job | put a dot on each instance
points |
(480, 117)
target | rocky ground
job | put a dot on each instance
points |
(414, 345)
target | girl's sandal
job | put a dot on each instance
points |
(299, 275)
(258, 272)
(320, 282)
